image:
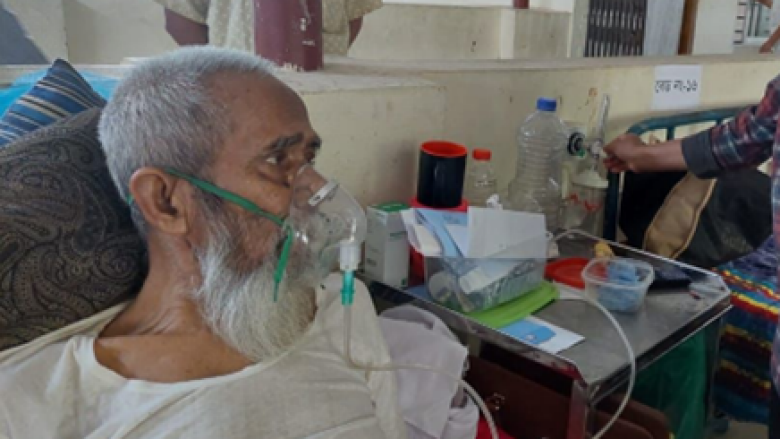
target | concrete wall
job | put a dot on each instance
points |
(715, 24)
(415, 32)
(486, 102)
(374, 115)
(579, 28)
(372, 139)
(556, 5)
(534, 34)
(500, 108)
(44, 22)
(429, 32)
(106, 31)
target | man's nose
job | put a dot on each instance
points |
(306, 185)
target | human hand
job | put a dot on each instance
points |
(625, 154)
(767, 48)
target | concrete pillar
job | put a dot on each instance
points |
(289, 33)
(663, 26)
(579, 28)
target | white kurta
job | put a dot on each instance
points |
(54, 387)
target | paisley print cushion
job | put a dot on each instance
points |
(68, 248)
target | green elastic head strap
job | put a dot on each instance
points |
(250, 207)
(226, 195)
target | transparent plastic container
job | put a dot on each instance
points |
(481, 182)
(542, 141)
(469, 285)
(585, 207)
(618, 284)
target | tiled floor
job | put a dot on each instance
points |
(743, 431)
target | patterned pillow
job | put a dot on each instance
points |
(68, 248)
(59, 94)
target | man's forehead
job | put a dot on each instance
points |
(263, 113)
(253, 90)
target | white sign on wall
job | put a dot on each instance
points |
(677, 88)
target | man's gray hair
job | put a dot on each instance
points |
(164, 115)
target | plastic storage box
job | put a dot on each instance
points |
(470, 285)
(618, 284)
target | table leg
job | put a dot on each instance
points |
(580, 412)
(712, 342)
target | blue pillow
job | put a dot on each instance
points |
(63, 92)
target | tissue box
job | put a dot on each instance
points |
(387, 245)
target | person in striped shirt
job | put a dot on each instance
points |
(747, 141)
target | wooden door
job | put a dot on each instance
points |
(688, 27)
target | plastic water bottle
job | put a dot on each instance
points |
(481, 183)
(542, 144)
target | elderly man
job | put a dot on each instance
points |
(208, 145)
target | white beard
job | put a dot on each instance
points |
(240, 308)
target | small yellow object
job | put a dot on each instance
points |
(602, 250)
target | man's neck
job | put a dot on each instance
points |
(163, 306)
(162, 337)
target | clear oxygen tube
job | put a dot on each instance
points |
(626, 343)
(631, 364)
(347, 295)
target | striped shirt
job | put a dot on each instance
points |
(747, 141)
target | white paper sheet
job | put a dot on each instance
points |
(428, 245)
(420, 238)
(506, 234)
(677, 87)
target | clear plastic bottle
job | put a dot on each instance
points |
(481, 183)
(542, 144)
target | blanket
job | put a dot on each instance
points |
(742, 382)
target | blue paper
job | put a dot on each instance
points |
(528, 332)
(437, 221)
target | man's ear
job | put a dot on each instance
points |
(163, 201)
